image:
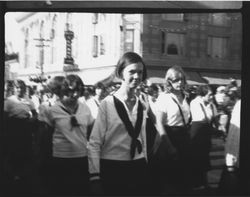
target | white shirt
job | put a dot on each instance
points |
(172, 115)
(153, 105)
(197, 112)
(93, 104)
(69, 141)
(36, 102)
(109, 137)
(233, 139)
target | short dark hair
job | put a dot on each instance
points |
(59, 83)
(75, 79)
(100, 85)
(202, 90)
(56, 83)
(127, 59)
(21, 84)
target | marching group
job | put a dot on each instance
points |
(135, 140)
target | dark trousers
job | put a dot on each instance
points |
(68, 176)
(170, 174)
(18, 164)
(200, 149)
(124, 177)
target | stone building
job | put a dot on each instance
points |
(207, 45)
(55, 43)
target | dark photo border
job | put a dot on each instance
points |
(145, 7)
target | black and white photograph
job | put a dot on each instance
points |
(124, 98)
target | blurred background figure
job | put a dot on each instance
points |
(153, 93)
(220, 96)
(221, 101)
(20, 124)
(94, 101)
(230, 178)
(204, 114)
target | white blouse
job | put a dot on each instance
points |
(109, 137)
(198, 114)
(171, 113)
(69, 141)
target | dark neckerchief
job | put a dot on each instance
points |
(73, 120)
(96, 103)
(132, 131)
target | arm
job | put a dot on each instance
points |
(163, 133)
(95, 143)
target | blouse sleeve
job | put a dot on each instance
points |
(96, 140)
(89, 115)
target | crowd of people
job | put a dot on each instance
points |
(70, 139)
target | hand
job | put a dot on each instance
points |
(96, 187)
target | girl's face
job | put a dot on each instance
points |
(208, 97)
(132, 75)
(177, 81)
(71, 93)
(19, 91)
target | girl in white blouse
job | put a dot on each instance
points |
(173, 119)
(204, 115)
(71, 120)
(117, 144)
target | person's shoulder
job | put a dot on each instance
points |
(164, 95)
(83, 104)
(197, 99)
(108, 99)
(11, 98)
(54, 106)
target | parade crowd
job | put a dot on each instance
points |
(130, 138)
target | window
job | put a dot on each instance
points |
(95, 18)
(217, 47)
(219, 19)
(173, 44)
(26, 47)
(95, 46)
(129, 40)
(173, 17)
(52, 37)
(102, 45)
(41, 33)
(52, 33)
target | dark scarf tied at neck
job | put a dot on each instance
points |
(132, 131)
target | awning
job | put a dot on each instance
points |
(110, 80)
(158, 76)
(221, 78)
(92, 76)
(194, 78)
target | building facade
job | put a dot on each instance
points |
(88, 44)
(207, 45)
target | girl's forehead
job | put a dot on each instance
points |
(134, 66)
(176, 74)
